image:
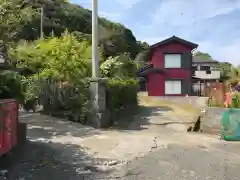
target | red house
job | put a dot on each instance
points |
(169, 72)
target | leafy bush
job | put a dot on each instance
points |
(235, 100)
(121, 66)
(64, 57)
(121, 93)
(62, 98)
(59, 68)
(234, 81)
(11, 85)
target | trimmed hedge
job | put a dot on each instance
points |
(121, 94)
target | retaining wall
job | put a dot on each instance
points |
(212, 120)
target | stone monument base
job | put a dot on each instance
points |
(100, 116)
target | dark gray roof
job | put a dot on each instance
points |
(175, 38)
(198, 59)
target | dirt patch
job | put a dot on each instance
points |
(177, 108)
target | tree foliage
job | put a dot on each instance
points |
(203, 56)
(13, 16)
(20, 19)
(63, 57)
(121, 66)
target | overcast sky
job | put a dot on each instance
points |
(213, 24)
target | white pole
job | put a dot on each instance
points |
(95, 58)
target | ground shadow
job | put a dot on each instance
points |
(47, 160)
(42, 158)
(138, 119)
(48, 127)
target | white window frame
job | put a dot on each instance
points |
(172, 60)
(171, 88)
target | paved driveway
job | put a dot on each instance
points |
(64, 150)
(181, 162)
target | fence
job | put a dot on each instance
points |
(216, 93)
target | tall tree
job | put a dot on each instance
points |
(13, 16)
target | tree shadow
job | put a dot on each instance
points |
(48, 127)
(48, 160)
(44, 158)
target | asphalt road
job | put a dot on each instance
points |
(181, 161)
(175, 162)
(184, 163)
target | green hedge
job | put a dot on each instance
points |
(121, 93)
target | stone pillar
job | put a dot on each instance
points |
(100, 116)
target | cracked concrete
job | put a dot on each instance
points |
(67, 150)
(154, 127)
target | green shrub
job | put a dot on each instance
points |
(121, 93)
(11, 85)
(57, 68)
(68, 100)
(121, 66)
(235, 100)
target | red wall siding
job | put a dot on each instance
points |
(156, 80)
(154, 85)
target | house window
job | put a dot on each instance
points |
(173, 87)
(172, 60)
(205, 68)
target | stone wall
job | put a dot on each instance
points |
(212, 120)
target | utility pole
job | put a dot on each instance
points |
(41, 24)
(95, 58)
(100, 116)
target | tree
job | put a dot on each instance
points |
(225, 68)
(13, 16)
(64, 58)
(120, 66)
(203, 56)
(60, 15)
(143, 46)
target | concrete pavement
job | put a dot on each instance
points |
(180, 162)
(154, 145)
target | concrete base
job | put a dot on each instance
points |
(100, 117)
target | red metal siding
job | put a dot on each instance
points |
(154, 84)
(156, 80)
(8, 129)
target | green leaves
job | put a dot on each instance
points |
(21, 20)
(13, 16)
(203, 56)
(122, 93)
(64, 58)
(10, 85)
(120, 66)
